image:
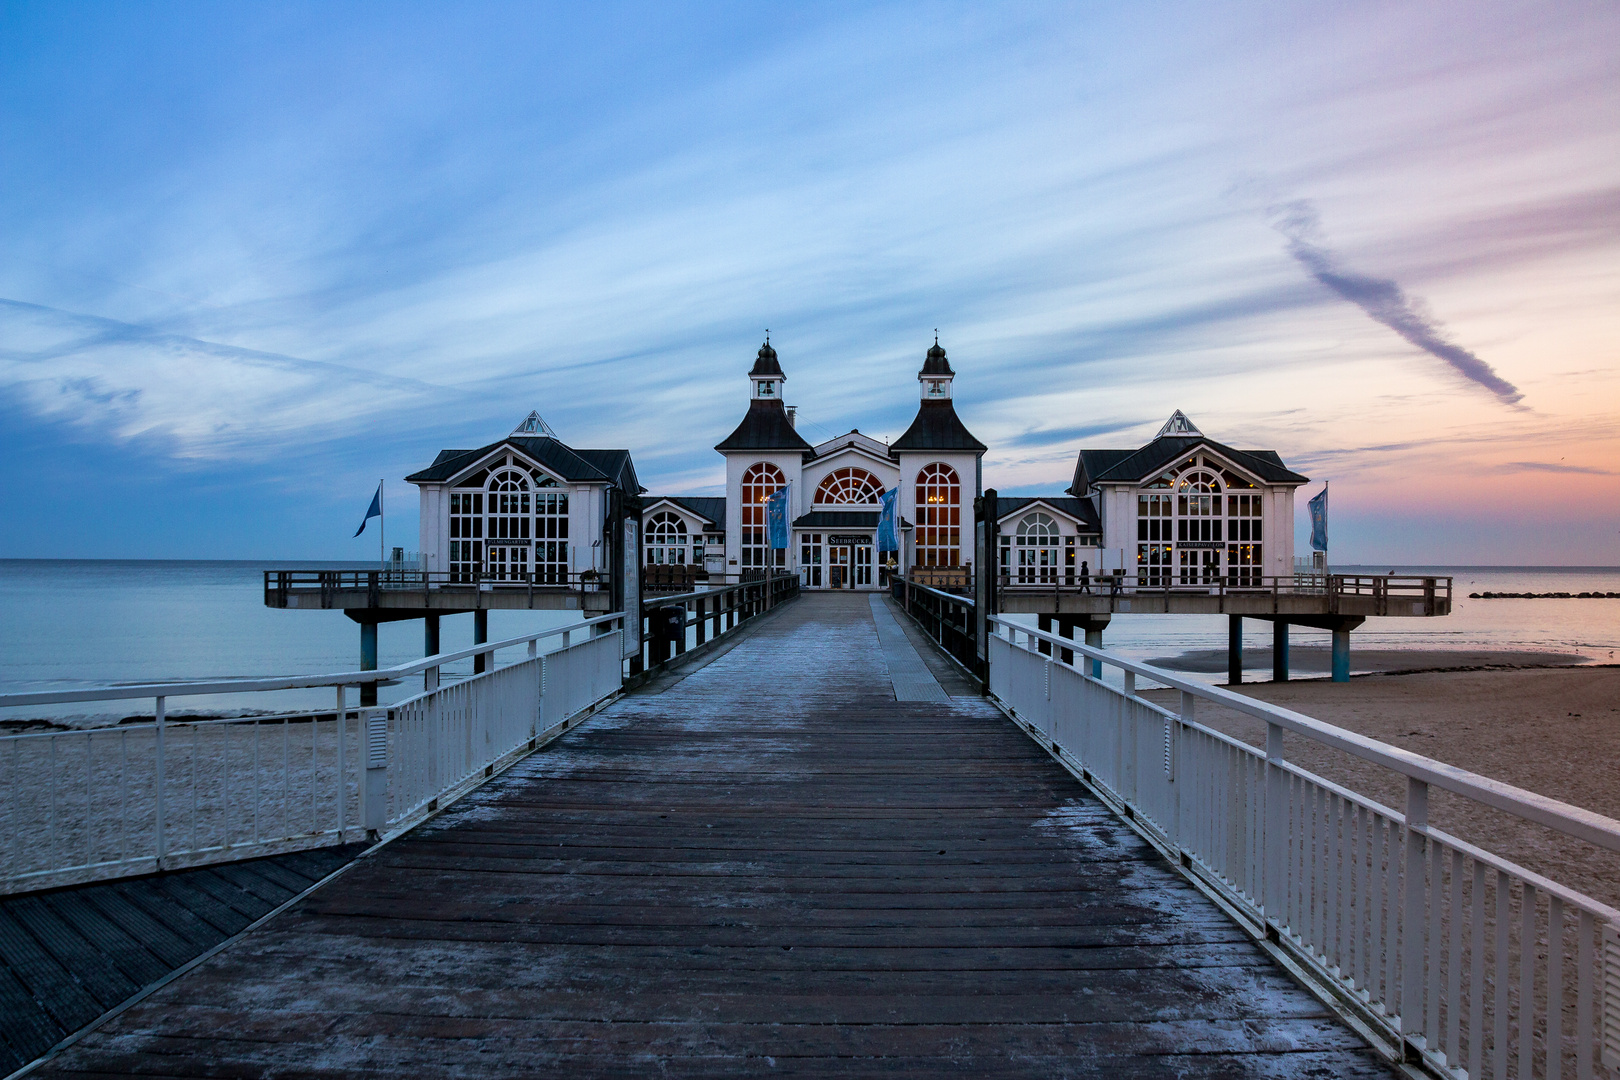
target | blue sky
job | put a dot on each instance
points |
(258, 256)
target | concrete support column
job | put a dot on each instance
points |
(368, 661)
(1279, 651)
(1066, 629)
(430, 647)
(480, 635)
(1341, 656)
(1234, 650)
(1043, 623)
(1094, 639)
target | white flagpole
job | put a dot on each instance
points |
(382, 527)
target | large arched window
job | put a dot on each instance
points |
(1203, 533)
(760, 482)
(666, 539)
(849, 486)
(939, 516)
(1036, 549)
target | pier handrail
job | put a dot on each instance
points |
(1574, 821)
(291, 682)
(1410, 928)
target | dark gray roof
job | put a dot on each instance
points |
(842, 519)
(1080, 509)
(765, 427)
(710, 508)
(765, 363)
(575, 466)
(937, 427)
(935, 363)
(1134, 466)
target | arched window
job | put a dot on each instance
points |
(1036, 549)
(1203, 533)
(666, 539)
(939, 516)
(850, 486)
(760, 482)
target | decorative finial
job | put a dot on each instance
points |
(767, 335)
(936, 335)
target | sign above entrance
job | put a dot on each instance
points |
(839, 541)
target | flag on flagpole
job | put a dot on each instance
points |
(776, 523)
(375, 510)
(888, 530)
(1318, 507)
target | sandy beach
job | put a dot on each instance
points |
(1551, 730)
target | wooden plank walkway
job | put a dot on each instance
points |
(69, 955)
(770, 866)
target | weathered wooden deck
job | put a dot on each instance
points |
(769, 865)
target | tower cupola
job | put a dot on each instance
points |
(936, 374)
(766, 375)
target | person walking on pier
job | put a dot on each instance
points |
(1085, 577)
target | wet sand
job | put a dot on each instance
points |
(1551, 730)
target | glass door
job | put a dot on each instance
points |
(863, 567)
(838, 567)
(508, 563)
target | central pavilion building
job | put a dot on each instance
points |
(1182, 511)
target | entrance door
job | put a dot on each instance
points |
(838, 568)
(863, 567)
(508, 563)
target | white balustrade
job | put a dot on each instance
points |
(1451, 951)
(111, 802)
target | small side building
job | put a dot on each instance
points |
(1185, 510)
(526, 508)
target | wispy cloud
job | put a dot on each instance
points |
(1382, 299)
(1557, 467)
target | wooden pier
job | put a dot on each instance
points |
(767, 864)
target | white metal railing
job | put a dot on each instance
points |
(109, 802)
(1453, 951)
(447, 738)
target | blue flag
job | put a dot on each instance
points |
(888, 531)
(776, 519)
(1318, 507)
(375, 511)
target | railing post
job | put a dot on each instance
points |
(1275, 842)
(374, 789)
(342, 771)
(1412, 921)
(161, 793)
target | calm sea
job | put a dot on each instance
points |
(76, 623)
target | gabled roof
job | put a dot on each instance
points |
(710, 508)
(1081, 510)
(1134, 466)
(764, 427)
(574, 466)
(937, 427)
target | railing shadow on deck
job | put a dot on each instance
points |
(1448, 951)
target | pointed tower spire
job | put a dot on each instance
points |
(936, 374)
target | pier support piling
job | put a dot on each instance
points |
(1234, 650)
(480, 635)
(430, 647)
(1341, 655)
(368, 661)
(1094, 639)
(1279, 651)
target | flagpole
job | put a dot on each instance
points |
(382, 526)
